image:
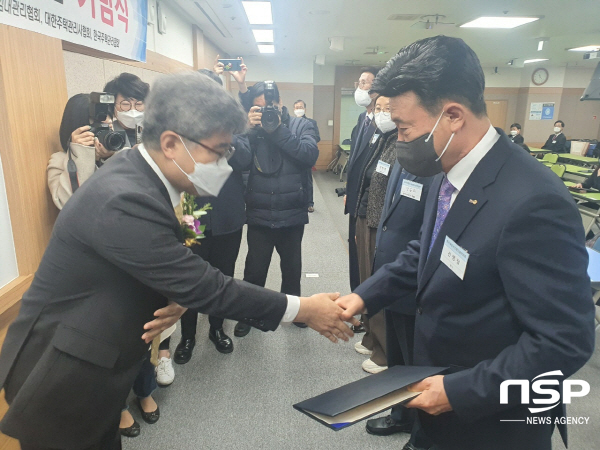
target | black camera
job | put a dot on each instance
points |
(101, 104)
(270, 113)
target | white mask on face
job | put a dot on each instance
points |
(130, 119)
(299, 112)
(383, 120)
(557, 130)
(514, 132)
(208, 179)
(362, 98)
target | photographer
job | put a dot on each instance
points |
(283, 150)
(79, 145)
(130, 92)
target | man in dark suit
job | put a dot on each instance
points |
(557, 142)
(401, 221)
(300, 111)
(495, 301)
(114, 258)
(362, 134)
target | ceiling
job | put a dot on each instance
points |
(303, 28)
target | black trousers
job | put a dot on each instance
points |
(288, 243)
(221, 252)
(311, 200)
(110, 441)
(353, 253)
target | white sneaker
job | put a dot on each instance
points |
(164, 372)
(362, 349)
(371, 367)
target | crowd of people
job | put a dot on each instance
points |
(449, 265)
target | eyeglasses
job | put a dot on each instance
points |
(363, 84)
(227, 154)
(379, 109)
(125, 105)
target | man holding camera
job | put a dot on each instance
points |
(283, 150)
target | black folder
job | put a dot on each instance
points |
(346, 405)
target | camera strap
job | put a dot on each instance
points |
(72, 169)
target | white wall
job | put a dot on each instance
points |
(578, 77)
(323, 75)
(8, 257)
(177, 43)
(281, 70)
(506, 77)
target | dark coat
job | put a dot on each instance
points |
(360, 151)
(315, 126)
(518, 139)
(115, 256)
(593, 181)
(556, 144)
(229, 208)
(276, 196)
(524, 307)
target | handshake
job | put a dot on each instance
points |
(324, 313)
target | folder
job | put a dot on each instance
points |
(349, 404)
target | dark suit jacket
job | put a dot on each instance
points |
(115, 256)
(557, 144)
(518, 139)
(401, 221)
(315, 127)
(359, 156)
(523, 309)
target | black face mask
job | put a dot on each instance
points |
(418, 157)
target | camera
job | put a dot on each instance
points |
(101, 104)
(270, 113)
(340, 191)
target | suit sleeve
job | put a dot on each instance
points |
(548, 145)
(542, 263)
(242, 158)
(134, 231)
(302, 149)
(391, 281)
(561, 144)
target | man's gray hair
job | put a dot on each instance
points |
(191, 104)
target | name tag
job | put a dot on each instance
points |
(412, 190)
(383, 168)
(374, 138)
(554, 142)
(455, 257)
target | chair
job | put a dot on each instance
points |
(549, 159)
(558, 169)
(589, 216)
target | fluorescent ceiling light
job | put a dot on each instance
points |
(499, 22)
(540, 46)
(587, 48)
(527, 61)
(270, 48)
(263, 35)
(259, 13)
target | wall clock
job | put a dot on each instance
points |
(539, 76)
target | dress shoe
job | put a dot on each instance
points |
(371, 367)
(311, 209)
(362, 349)
(409, 446)
(183, 352)
(149, 417)
(241, 329)
(300, 324)
(384, 426)
(221, 340)
(165, 375)
(131, 431)
(358, 328)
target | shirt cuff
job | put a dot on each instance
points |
(293, 306)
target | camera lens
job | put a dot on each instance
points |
(113, 141)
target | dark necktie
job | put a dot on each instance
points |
(444, 197)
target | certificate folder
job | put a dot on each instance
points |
(346, 405)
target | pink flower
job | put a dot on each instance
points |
(189, 221)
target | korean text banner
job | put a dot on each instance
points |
(112, 26)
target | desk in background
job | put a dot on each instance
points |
(538, 151)
(577, 160)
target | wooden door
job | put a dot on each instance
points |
(497, 110)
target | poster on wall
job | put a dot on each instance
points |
(113, 26)
(535, 111)
(8, 257)
(547, 111)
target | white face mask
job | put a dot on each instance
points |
(514, 132)
(130, 119)
(383, 120)
(208, 179)
(362, 98)
(557, 130)
(299, 112)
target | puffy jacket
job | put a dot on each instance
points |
(276, 195)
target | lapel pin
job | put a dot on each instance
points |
(473, 201)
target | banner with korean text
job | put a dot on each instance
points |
(112, 26)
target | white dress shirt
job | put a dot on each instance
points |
(463, 169)
(293, 302)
